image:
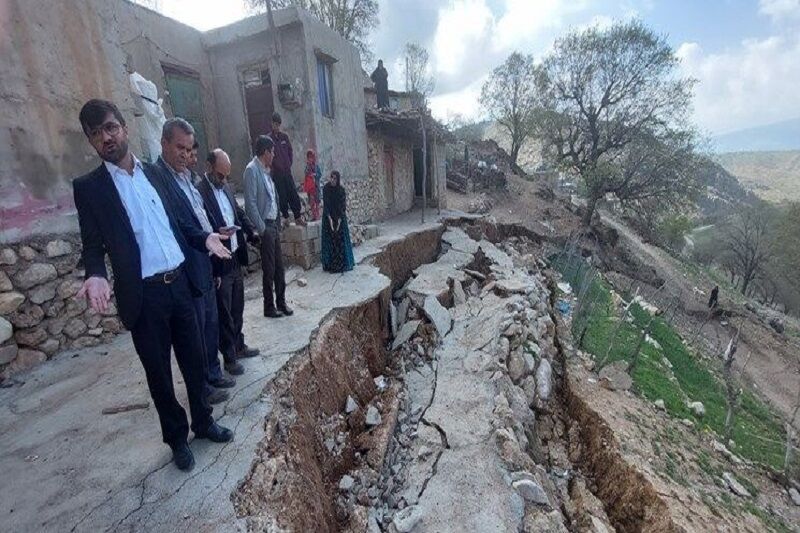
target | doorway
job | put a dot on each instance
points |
(258, 101)
(186, 100)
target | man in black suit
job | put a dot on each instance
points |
(127, 212)
(225, 212)
(177, 140)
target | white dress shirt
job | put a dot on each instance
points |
(184, 180)
(227, 210)
(158, 249)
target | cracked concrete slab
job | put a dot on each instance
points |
(77, 470)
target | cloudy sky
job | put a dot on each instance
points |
(744, 53)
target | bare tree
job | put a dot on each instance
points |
(352, 19)
(749, 241)
(509, 97)
(419, 80)
(616, 113)
(732, 387)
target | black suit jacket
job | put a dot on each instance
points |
(221, 266)
(106, 229)
(197, 262)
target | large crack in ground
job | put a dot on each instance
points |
(365, 438)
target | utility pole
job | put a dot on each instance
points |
(275, 40)
(424, 165)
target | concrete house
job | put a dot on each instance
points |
(226, 82)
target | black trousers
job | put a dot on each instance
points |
(168, 320)
(230, 308)
(287, 194)
(205, 309)
(272, 272)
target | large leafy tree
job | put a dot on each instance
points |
(509, 96)
(352, 19)
(614, 111)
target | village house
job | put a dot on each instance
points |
(226, 82)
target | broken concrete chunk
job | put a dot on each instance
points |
(406, 519)
(406, 332)
(544, 380)
(531, 491)
(520, 364)
(615, 376)
(351, 405)
(438, 315)
(402, 311)
(380, 382)
(735, 486)
(346, 483)
(373, 417)
(459, 297)
(393, 318)
(537, 521)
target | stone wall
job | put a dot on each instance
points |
(389, 199)
(39, 315)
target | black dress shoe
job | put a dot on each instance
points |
(234, 368)
(223, 382)
(182, 456)
(248, 352)
(216, 433)
(272, 313)
(285, 310)
(217, 396)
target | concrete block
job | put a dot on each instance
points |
(293, 234)
(314, 229)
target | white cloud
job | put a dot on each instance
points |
(464, 27)
(755, 83)
(463, 103)
(780, 10)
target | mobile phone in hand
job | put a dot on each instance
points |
(229, 230)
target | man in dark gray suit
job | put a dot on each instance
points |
(261, 205)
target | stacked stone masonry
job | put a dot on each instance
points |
(301, 245)
(39, 315)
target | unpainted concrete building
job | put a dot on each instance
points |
(226, 82)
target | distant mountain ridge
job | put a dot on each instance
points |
(773, 176)
(778, 136)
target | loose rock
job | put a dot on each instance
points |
(351, 405)
(373, 417)
(615, 376)
(735, 486)
(544, 380)
(406, 332)
(697, 409)
(794, 495)
(346, 483)
(660, 405)
(406, 519)
(531, 491)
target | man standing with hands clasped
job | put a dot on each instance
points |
(125, 210)
(224, 212)
(261, 205)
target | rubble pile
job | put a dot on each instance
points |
(485, 169)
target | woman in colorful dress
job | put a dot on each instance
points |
(313, 174)
(337, 250)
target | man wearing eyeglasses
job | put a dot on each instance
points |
(126, 211)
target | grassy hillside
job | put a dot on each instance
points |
(774, 176)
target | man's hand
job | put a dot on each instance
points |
(215, 247)
(217, 283)
(97, 291)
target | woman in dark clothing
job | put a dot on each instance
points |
(337, 250)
